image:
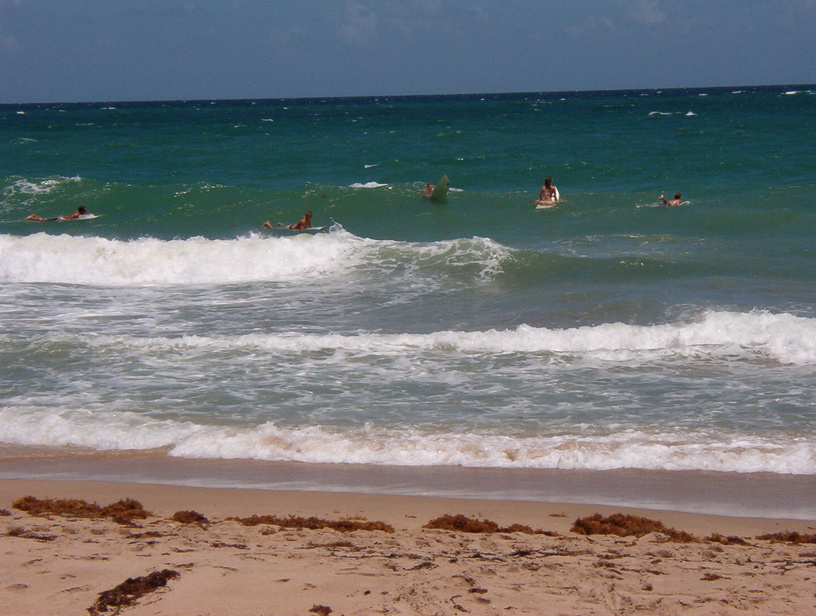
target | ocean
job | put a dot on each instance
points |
(609, 349)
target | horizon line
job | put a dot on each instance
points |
(551, 93)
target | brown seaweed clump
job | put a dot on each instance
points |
(321, 610)
(190, 517)
(463, 524)
(730, 540)
(26, 534)
(5, 512)
(123, 511)
(314, 523)
(789, 537)
(127, 593)
(624, 525)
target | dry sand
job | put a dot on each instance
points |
(60, 564)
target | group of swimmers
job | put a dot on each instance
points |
(303, 223)
(549, 195)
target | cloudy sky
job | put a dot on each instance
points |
(113, 50)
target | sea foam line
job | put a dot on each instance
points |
(758, 335)
(637, 449)
(67, 259)
(42, 257)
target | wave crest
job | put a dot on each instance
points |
(67, 259)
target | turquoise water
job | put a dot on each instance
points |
(606, 333)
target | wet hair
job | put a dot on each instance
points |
(308, 212)
(676, 195)
(547, 181)
(82, 210)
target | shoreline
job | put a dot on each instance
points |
(164, 500)
(759, 495)
(59, 564)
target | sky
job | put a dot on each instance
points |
(122, 50)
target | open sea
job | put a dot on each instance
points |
(607, 350)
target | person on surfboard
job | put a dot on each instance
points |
(81, 211)
(300, 225)
(547, 193)
(676, 201)
(429, 188)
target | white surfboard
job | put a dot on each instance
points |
(546, 205)
(309, 230)
(65, 218)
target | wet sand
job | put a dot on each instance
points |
(731, 494)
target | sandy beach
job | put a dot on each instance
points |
(217, 559)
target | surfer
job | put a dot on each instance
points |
(429, 188)
(81, 211)
(300, 225)
(547, 194)
(676, 201)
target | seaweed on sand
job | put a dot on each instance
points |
(190, 517)
(624, 525)
(314, 523)
(730, 540)
(129, 591)
(27, 534)
(789, 537)
(123, 511)
(463, 524)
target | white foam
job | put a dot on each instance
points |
(726, 336)
(367, 185)
(673, 451)
(42, 257)
(718, 340)
(630, 449)
(22, 186)
(82, 260)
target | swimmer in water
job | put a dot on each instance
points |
(81, 211)
(676, 201)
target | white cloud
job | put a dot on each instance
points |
(646, 12)
(359, 25)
